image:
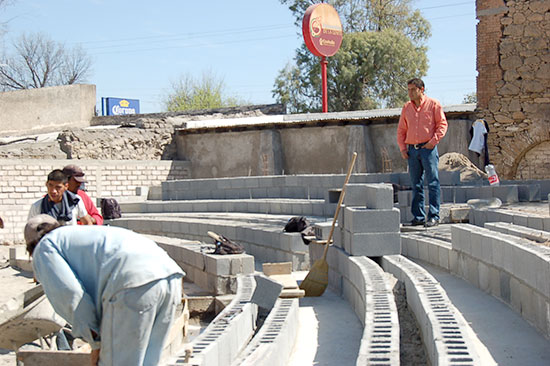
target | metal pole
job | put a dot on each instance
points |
(324, 63)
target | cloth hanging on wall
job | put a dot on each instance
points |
(479, 132)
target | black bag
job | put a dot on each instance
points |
(110, 209)
(226, 246)
(296, 224)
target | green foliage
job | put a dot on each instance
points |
(370, 71)
(383, 47)
(470, 98)
(189, 93)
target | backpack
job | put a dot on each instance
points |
(226, 246)
(296, 224)
(110, 209)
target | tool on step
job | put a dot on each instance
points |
(316, 280)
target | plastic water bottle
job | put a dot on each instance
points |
(492, 174)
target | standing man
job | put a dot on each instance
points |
(63, 205)
(75, 175)
(119, 290)
(421, 126)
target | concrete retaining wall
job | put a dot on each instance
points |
(447, 336)
(22, 182)
(309, 145)
(46, 109)
(508, 267)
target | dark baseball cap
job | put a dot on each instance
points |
(75, 172)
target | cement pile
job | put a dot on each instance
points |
(453, 162)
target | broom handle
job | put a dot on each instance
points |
(340, 200)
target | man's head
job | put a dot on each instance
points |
(416, 89)
(75, 177)
(56, 184)
(36, 228)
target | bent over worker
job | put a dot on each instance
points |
(421, 127)
(118, 289)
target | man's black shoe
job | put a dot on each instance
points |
(432, 222)
(416, 222)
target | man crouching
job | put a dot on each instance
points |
(118, 289)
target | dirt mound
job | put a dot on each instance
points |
(453, 162)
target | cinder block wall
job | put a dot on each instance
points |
(46, 109)
(22, 182)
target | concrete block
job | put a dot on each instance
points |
(498, 252)
(505, 286)
(423, 251)
(529, 192)
(453, 261)
(404, 198)
(218, 265)
(509, 256)
(374, 244)
(433, 254)
(535, 222)
(494, 281)
(506, 193)
(461, 238)
(486, 249)
(520, 219)
(356, 195)
(412, 247)
(484, 277)
(364, 220)
(473, 274)
(444, 257)
(476, 244)
(542, 272)
(266, 293)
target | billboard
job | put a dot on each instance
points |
(119, 106)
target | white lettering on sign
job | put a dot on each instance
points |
(118, 110)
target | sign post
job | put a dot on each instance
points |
(322, 31)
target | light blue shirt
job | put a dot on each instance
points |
(80, 267)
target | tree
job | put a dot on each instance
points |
(382, 47)
(189, 93)
(470, 98)
(38, 62)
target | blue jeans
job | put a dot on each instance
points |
(136, 322)
(424, 161)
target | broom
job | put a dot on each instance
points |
(316, 280)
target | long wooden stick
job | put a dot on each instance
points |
(340, 200)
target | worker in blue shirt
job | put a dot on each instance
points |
(119, 290)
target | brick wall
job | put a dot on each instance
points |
(22, 182)
(513, 61)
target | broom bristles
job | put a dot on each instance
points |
(316, 280)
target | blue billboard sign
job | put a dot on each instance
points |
(119, 106)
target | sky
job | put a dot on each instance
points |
(140, 48)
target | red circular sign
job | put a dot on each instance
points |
(322, 30)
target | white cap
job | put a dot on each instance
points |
(34, 230)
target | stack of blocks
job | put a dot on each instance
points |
(368, 222)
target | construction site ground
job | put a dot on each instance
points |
(330, 333)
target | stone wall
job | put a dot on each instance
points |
(514, 84)
(22, 182)
(144, 139)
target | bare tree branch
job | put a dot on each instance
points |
(39, 62)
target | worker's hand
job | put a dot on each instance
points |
(95, 357)
(429, 146)
(404, 154)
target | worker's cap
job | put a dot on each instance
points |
(75, 172)
(37, 226)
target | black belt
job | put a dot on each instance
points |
(418, 146)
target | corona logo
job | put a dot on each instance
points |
(124, 103)
(316, 27)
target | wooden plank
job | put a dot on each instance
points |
(287, 280)
(277, 268)
(285, 294)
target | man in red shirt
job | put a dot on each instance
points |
(76, 178)
(421, 126)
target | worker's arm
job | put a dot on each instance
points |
(65, 292)
(87, 220)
